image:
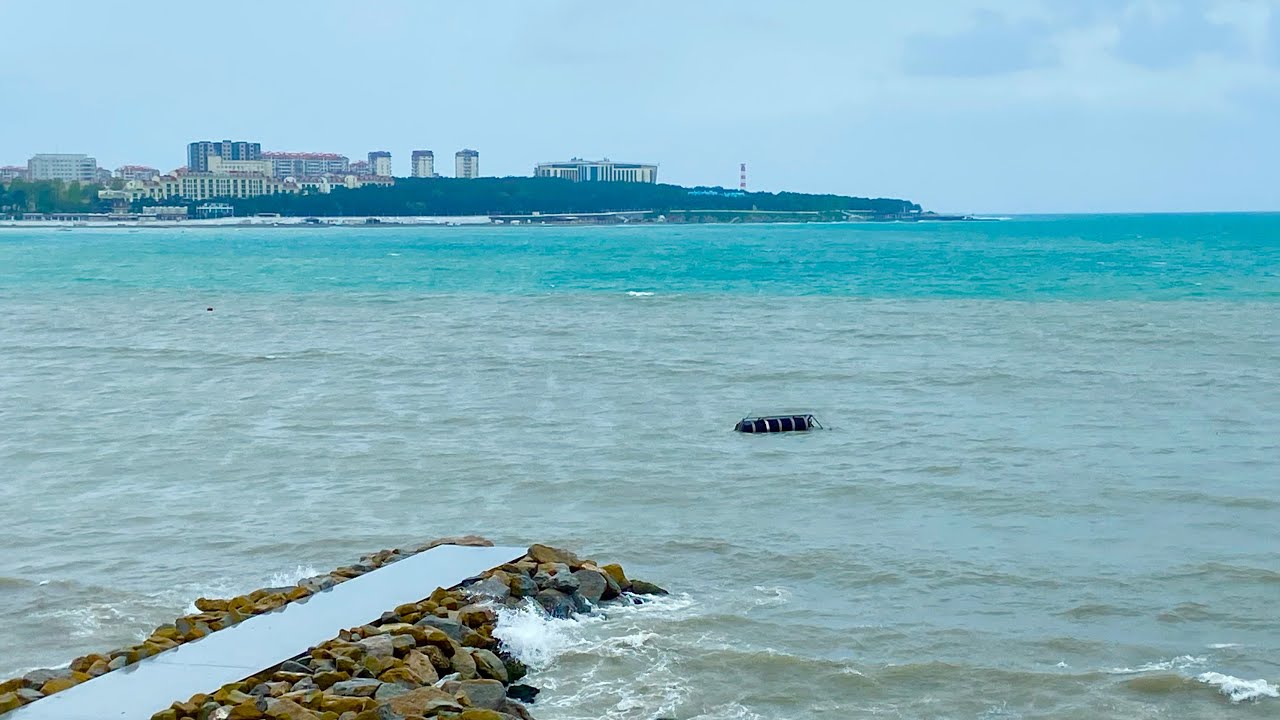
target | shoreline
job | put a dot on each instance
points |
(440, 656)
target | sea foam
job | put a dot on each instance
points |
(1240, 690)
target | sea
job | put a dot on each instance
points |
(1045, 484)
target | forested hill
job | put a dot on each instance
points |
(523, 195)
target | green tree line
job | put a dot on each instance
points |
(524, 195)
(49, 196)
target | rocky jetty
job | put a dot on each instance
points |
(435, 658)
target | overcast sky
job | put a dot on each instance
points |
(998, 106)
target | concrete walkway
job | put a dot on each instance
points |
(147, 687)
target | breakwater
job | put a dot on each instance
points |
(433, 657)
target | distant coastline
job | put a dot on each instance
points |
(533, 220)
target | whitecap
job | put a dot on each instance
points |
(638, 293)
(776, 595)
(291, 577)
(1223, 646)
(1240, 690)
(1179, 663)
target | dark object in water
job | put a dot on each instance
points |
(523, 693)
(777, 423)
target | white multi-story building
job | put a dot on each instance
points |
(579, 170)
(62, 166)
(219, 166)
(136, 172)
(308, 165)
(423, 164)
(466, 164)
(12, 172)
(380, 163)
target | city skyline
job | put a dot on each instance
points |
(979, 105)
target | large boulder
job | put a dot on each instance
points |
(522, 586)
(496, 587)
(640, 587)
(448, 626)
(357, 687)
(378, 646)
(489, 665)
(614, 571)
(547, 554)
(592, 585)
(487, 694)
(556, 603)
(415, 702)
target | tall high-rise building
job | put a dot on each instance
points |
(198, 152)
(62, 166)
(380, 163)
(423, 164)
(466, 164)
(306, 165)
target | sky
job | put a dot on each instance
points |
(985, 106)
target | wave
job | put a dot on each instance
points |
(1239, 690)
(639, 293)
(1182, 662)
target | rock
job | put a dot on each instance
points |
(614, 571)
(382, 712)
(514, 709)
(326, 679)
(556, 603)
(580, 604)
(9, 701)
(546, 554)
(359, 687)
(281, 709)
(389, 690)
(306, 683)
(378, 646)
(640, 587)
(58, 685)
(474, 714)
(515, 668)
(339, 704)
(489, 665)
(246, 711)
(294, 667)
(463, 664)
(117, 663)
(449, 627)
(169, 714)
(422, 667)
(565, 582)
(400, 644)
(464, 540)
(487, 694)
(99, 668)
(591, 584)
(523, 693)
(523, 586)
(476, 615)
(439, 660)
(497, 587)
(27, 695)
(415, 702)
(37, 678)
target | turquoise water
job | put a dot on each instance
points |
(1049, 487)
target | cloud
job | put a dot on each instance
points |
(992, 45)
(1173, 34)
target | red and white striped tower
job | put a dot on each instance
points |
(742, 183)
